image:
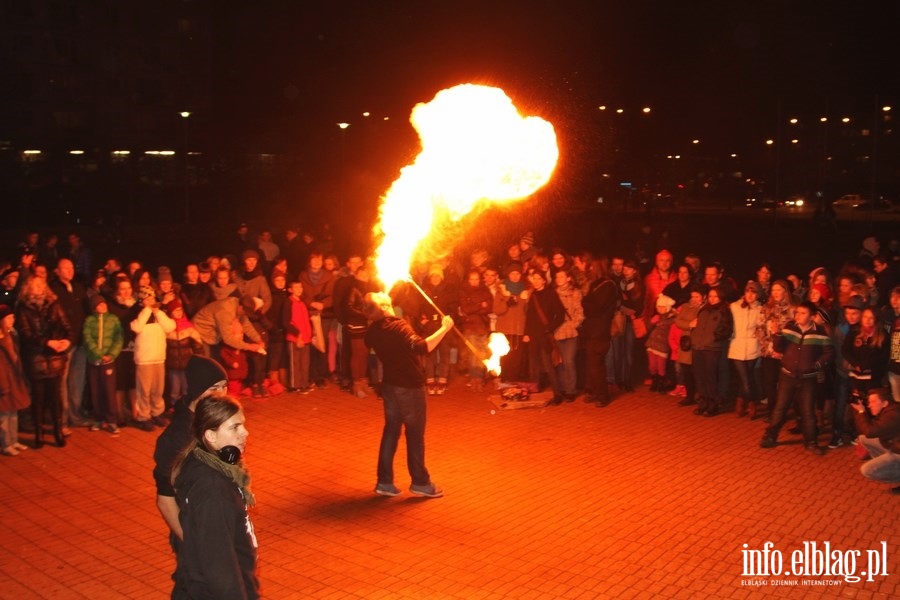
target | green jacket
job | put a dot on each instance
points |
(111, 342)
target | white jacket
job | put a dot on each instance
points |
(744, 342)
(150, 338)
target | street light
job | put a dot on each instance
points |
(187, 194)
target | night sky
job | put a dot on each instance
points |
(708, 69)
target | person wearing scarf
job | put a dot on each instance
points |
(218, 554)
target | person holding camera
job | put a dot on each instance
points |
(880, 436)
(150, 329)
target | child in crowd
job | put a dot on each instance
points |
(299, 336)
(658, 343)
(15, 394)
(181, 343)
(103, 340)
(150, 329)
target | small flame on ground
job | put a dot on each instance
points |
(475, 147)
(499, 346)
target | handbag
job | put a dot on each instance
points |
(555, 354)
(318, 339)
(617, 327)
(685, 343)
(46, 366)
(556, 358)
(640, 328)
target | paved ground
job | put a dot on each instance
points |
(638, 500)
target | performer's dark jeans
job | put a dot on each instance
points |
(802, 391)
(403, 407)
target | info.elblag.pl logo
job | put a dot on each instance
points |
(813, 559)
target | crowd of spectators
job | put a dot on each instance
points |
(104, 347)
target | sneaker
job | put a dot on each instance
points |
(10, 451)
(19, 446)
(816, 449)
(768, 442)
(441, 389)
(854, 440)
(159, 421)
(432, 389)
(96, 426)
(304, 390)
(429, 491)
(679, 390)
(687, 401)
(66, 432)
(387, 489)
(113, 430)
(836, 442)
(146, 425)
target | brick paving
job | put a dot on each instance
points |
(637, 500)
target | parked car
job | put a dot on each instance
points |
(848, 202)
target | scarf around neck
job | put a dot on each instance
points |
(236, 473)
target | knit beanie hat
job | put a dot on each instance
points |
(202, 373)
(97, 300)
(823, 290)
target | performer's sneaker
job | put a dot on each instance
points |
(387, 489)
(429, 491)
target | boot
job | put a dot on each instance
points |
(712, 409)
(702, 404)
(751, 410)
(359, 388)
(739, 407)
(57, 428)
(37, 415)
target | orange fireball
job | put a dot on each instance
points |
(476, 147)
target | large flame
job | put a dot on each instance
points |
(499, 346)
(475, 147)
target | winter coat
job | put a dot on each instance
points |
(38, 324)
(13, 385)
(713, 328)
(475, 304)
(181, 345)
(599, 306)
(74, 303)
(295, 319)
(574, 313)
(658, 338)
(510, 311)
(554, 311)
(804, 353)
(429, 319)
(319, 288)
(237, 368)
(862, 358)
(213, 323)
(686, 314)
(218, 556)
(195, 296)
(772, 312)
(108, 343)
(747, 319)
(150, 328)
(254, 284)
